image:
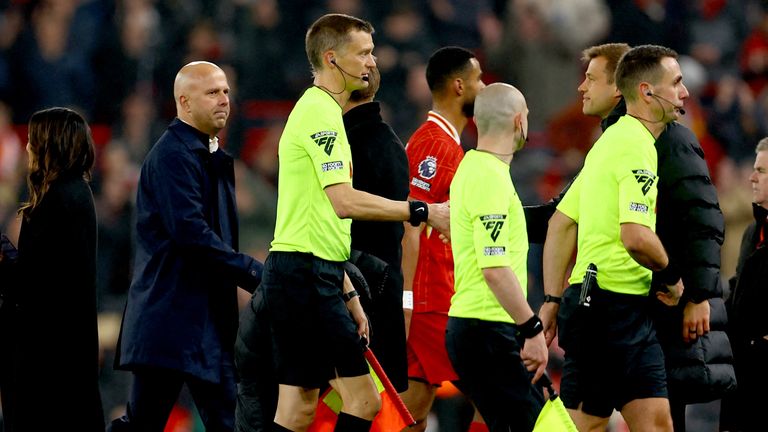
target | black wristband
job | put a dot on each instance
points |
(419, 212)
(349, 296)
(530, 328)
(669, 275)
(552, 299)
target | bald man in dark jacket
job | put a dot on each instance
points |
(180, 321)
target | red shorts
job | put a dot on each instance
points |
(427, 358)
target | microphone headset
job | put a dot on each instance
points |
(364, 77)
(680, 109)
(343, 73)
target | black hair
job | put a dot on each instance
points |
(445, 64)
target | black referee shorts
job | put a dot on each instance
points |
(486, 357)
(612, 355)
(314, 337)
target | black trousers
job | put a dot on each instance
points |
(155, 391)
(744, 410)
(257, 391)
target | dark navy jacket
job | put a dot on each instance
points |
(181, 312)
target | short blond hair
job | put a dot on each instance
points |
(331, 31)
(611, 52)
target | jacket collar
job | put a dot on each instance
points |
(370, 111)
(618, 111)
(194, 139)
(760, 213)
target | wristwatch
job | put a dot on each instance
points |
(552, 299)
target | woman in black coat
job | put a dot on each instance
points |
(49, 352)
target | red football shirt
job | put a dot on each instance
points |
(434, 153)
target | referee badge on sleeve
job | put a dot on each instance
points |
(638, 207)
(645, 178)
(325, 139)
(494, 251)
(493, 224)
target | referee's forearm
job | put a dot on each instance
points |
(349, 203)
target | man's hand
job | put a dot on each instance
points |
(440, 218)
(358, 314)
(695, 320)
(673, 294)
(535, 355)
(548, 316)
(356, 309)
(444, 238)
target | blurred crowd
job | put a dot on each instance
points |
(115, 61)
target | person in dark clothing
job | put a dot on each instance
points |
(180, 320)
(381, 168)
(690, 226)
(48, 332)
(746, 310)
(257, 389)
(689, 222)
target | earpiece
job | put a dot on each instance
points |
(343, 72)
(678, 108)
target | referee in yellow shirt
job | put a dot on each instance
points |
(494, 340)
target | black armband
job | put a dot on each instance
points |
(552, 299)
(349, 295)
(530, 328)
(419, 212)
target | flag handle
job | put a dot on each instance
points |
(389, 388)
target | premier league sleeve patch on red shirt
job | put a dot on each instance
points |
(421, 184)
(428, 168)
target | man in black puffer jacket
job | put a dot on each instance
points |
(690, 225)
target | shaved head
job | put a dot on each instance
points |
(201, 93)
(190, 75)
(495, 106)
